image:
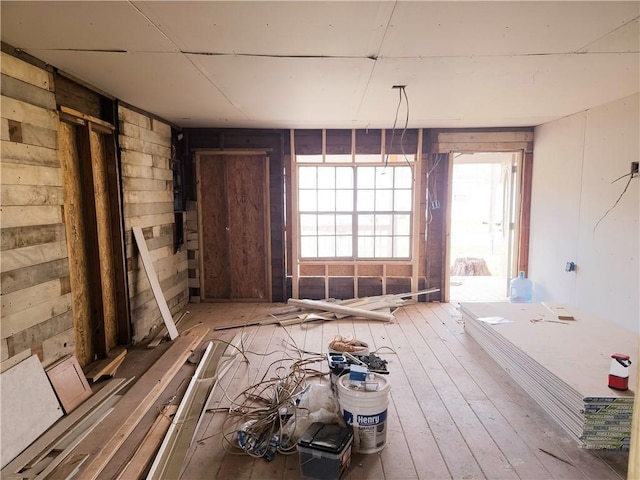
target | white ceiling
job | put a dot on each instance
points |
(333, 64)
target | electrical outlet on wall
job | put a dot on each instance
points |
(634, 169)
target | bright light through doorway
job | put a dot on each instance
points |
(481, 216)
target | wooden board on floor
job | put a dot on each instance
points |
(69, 383)
(149, 445)
(136, 402)
(106, 366)
(155, 284)
(28, 407)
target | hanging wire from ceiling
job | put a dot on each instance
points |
(402, 95)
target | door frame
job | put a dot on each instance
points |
(95, 166)
(447, 141)
(198, 154)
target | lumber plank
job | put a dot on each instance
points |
(162, 333)
(102, 194)
(33, 255)
(126, 115)
(20, 174)
(16, 68)
(16, 322)
(170, 457)
(332, 307)
(155, 285)
(68, 449)
(24, 112)
(26, 215)
(29, 276)
(23, 153)
(69, 469)
(149, 445)
(84, 116)
(137, 401)
(145, 134)
(27, 92)
(14, 360)
(103, 367)
(146, 173)
(31, 195)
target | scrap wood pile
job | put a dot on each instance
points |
(379, 308)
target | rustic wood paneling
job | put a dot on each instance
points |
(80, 98)
(147, 199)
(36, 299)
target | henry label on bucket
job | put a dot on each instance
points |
(369, 431)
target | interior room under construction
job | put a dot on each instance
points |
(231, 228)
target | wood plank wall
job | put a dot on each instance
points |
(146, 154)
(36, 299)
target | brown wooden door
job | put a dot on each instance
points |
(234, 211)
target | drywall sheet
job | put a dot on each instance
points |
(29, 406)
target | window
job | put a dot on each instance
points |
(355, 207)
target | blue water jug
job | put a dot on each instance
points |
(520, 289)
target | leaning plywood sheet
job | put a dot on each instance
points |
(29, 406)
(155, 285)
(69, 383)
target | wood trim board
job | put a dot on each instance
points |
(149, 445)
(105, 366)
(137, 401)
(155, 284)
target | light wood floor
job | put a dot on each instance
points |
(454, 413)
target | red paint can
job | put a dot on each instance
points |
(619, 372)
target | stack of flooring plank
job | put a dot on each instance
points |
(563, 365)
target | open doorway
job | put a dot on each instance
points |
(482, 250)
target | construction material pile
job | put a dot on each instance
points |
(380, 307)
(562, 364)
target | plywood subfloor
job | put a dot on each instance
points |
(454, 413)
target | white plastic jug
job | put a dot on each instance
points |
(521, 289)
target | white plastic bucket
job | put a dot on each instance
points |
(366, 412)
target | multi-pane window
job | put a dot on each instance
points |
(355, 209)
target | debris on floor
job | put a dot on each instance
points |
(380, 307)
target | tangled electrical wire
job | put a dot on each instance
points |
(258, 415)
